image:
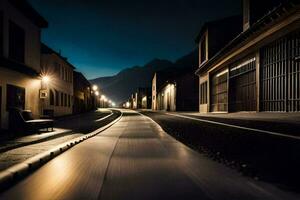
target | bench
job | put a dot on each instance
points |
(23, 120)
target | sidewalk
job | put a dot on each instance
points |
(283, 117)
(62, 127)
(283, 123)
(17, 150)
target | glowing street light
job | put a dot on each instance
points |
(45, 79)
(95, 87)
(96, 93)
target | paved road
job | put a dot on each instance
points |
(258, 154)
(135, 159)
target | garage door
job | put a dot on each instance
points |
(281, 75)
(219, 89)
(242, 86)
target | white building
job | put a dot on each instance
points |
(59, 87)
(20, 82)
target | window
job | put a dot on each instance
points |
(16, 42)
(1, 33)
(61, 99)
(71, 76)
(61, 72)
(65, 100)
(69, 100)
(203, 93)
(15, 97)
(57, 68)
(56, 98)
(203, 49)
(64, 71)
(67, 75)
(51, 97)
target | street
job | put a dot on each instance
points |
(264, 149)
(136, 159)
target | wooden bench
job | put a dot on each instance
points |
(23, 120)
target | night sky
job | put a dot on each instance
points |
(101, 37)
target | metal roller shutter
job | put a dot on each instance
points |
(280, 75)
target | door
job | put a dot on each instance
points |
(15, 97)
(242, 86)
(219, 89)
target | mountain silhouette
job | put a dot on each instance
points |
(120, 86)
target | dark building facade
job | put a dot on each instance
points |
(259, 69)
(143, 98)
(213, 36)
(176, 88)
(83, 98)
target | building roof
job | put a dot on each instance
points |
(47, 50)
(81, 78)
(266, 20)
(24, 7)
(214, 23)
(183, 66)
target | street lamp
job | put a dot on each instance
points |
(45, 79)
(97, 93)
(95, 87)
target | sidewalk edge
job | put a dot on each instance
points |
(16, 172)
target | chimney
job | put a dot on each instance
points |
(246, 14)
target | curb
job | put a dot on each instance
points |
(16, 172)
(22, 144)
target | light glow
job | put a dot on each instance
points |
(95, 87)
(46, 79)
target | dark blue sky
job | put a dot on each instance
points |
(101, 37)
